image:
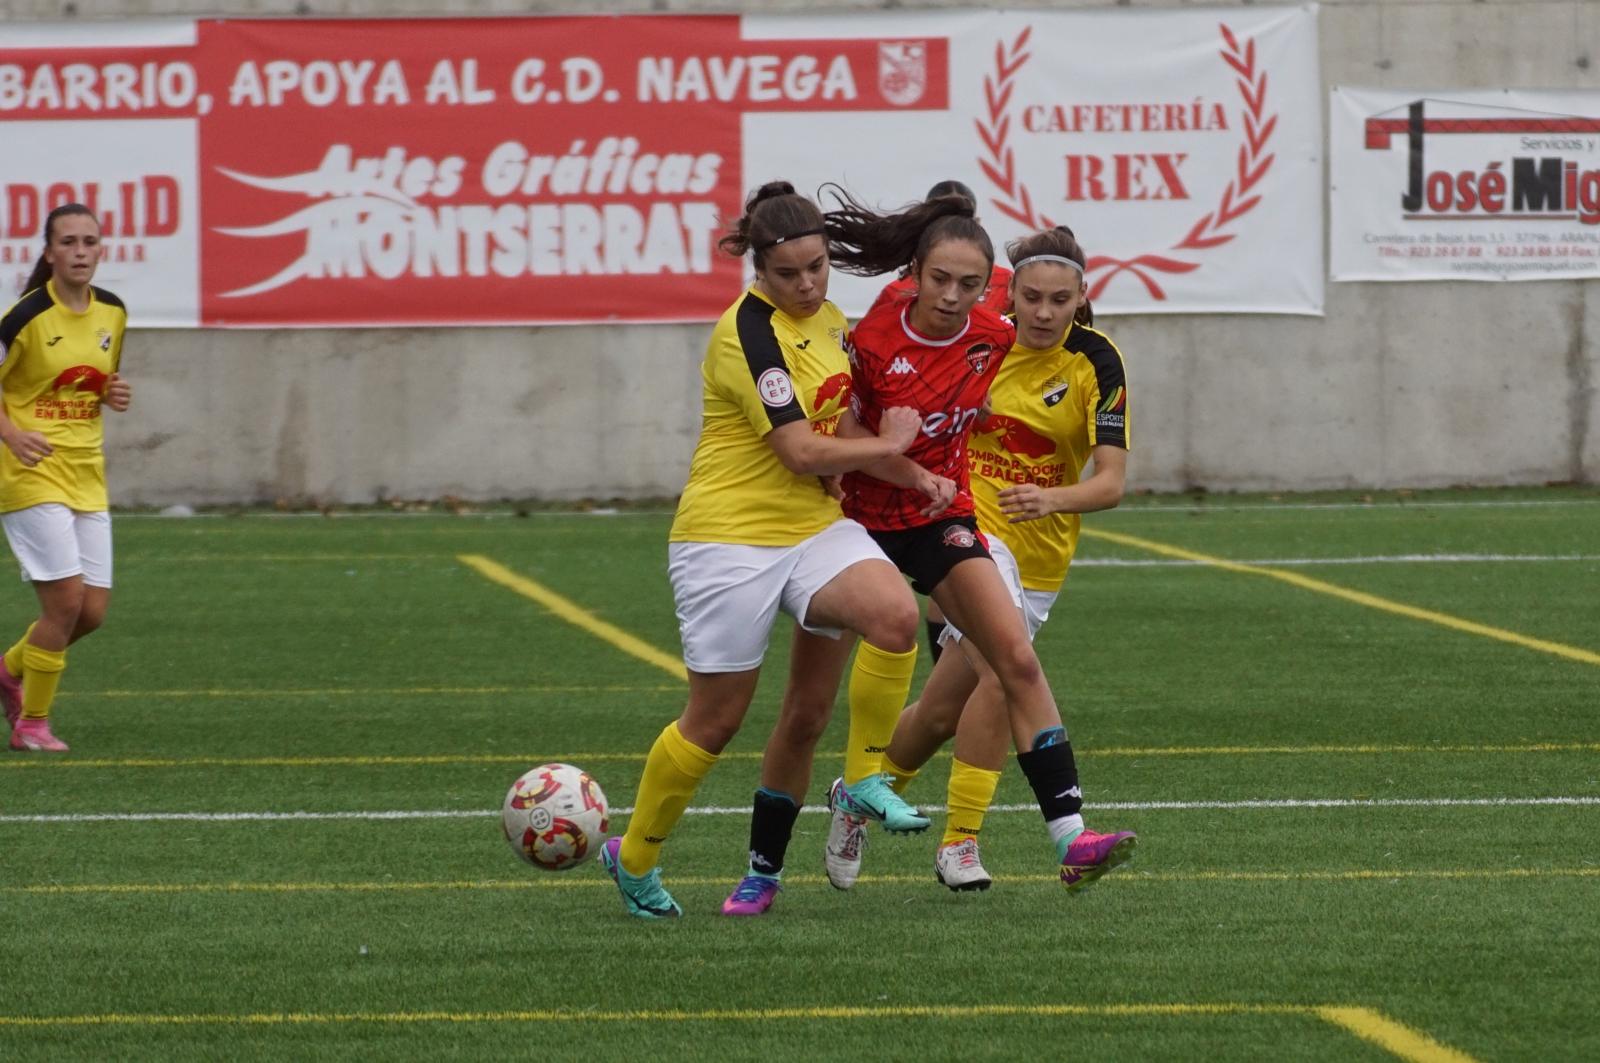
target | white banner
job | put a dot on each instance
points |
(358, 172)
(1471, 185)
(1183, 148)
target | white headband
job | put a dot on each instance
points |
(1031, 259)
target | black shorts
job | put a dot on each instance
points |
(928, 553)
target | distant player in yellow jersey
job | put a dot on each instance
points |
(758, 530)
(1059, 401)
(60, 348)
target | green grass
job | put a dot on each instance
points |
(266, 664)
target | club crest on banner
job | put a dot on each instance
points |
(902, 71)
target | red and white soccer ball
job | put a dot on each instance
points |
(555, 817)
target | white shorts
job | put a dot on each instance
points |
(51, 541)
(728, 596)
(1035, 605)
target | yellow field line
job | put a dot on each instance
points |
(1371, 601)
(1400, 1040)
(552, 882)
(323, 692)
(1397, 1039)
(574, 614)
(436, 759)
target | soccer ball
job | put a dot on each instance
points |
(555, 816)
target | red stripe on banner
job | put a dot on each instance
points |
(1380, 130)
(500, 170)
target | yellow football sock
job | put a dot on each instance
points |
(880, 682)
(971, 794)
(41, 674)
(672, 773)
(902, 777)
(14, 654)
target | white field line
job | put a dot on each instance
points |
(1129, 510)
(1413, 504)
(743, 810)
(1376, 559)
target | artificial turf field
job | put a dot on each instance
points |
(1363, 758)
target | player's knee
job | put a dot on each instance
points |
(940, 722)
(1019, 666)
(90, 617)
(894, 629)
(64, 607)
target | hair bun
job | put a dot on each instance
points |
(771, 190)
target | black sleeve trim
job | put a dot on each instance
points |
(1111, 412)
(18, 317)
(763, 353)
(103, 296)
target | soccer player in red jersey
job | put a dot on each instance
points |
(997, 297)
(1059, 401)
(939, 354)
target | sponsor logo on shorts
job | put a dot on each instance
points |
(959, 537)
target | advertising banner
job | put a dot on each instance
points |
(300, 172)
(1473, 185)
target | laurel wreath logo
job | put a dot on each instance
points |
(1238, 198)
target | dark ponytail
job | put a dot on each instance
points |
(41, 269)
(773, 214)
(1058, 241)
(867, 243)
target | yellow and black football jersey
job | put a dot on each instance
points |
(1049, 410)
(763, 369)
(54, 363)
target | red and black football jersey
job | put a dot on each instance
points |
(945, 380)
(997, 296)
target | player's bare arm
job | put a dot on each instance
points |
(1103, 489)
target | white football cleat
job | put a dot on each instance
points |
(958, 866)
(847, 839)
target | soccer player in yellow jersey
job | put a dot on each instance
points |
(60, 347)
(758, 530)
(1059, 401)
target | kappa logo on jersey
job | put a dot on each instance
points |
(1053, 391)
(959, 537)
(978, 356)
(775, 388)
(900, 367)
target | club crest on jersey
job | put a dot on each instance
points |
(104, 336)
(1053, 391)
(959, 537)
(775, 388)
(978, 356)
(902, 71)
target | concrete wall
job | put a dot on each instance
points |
(1416, 384)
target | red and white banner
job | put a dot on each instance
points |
(1472, 185)
(580, 169)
